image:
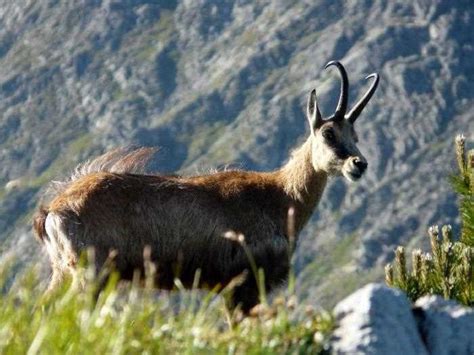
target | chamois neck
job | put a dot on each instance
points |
(302, 183)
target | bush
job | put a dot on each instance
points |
(448, 269)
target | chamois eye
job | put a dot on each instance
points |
(328, 134)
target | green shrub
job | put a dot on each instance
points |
(463, 184)
(448, 269)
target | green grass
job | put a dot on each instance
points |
(332, 275)
(128, 319)
(59, 166)
(249, 37)
(3, 192)
(147, 45)
(202, 139)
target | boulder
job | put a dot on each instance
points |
(445, 326)
(376, 319)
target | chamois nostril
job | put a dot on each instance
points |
(361, 165)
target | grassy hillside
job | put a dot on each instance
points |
(128, 320)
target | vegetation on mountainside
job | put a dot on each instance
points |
(126, 318)
(448, 269)
(130, 319)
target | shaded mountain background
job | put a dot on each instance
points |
(225, 82)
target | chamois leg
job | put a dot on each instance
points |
(57, 270)
(57, 278)
(244, 296)
(61, 254)
(103, 264)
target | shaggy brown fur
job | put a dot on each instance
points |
(184, 220)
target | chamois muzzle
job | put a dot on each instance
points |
(360, 164)
(354, 168)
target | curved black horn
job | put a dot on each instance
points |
(344, 95)
(359, 106)
(312, 111)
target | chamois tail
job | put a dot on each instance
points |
(39, 224)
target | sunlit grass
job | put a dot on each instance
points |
(132, 319)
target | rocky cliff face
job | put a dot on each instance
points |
(225, 82)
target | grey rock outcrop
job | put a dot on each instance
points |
(445, 326)
(376, 320)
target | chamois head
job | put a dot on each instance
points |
(334, 139)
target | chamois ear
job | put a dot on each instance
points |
(312, 112)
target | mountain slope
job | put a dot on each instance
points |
(225, 82)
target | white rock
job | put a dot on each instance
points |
(376, 319)
(446, 327)
(13, 185)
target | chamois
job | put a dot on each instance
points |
(110, 206)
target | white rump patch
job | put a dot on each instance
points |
(57, 244)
